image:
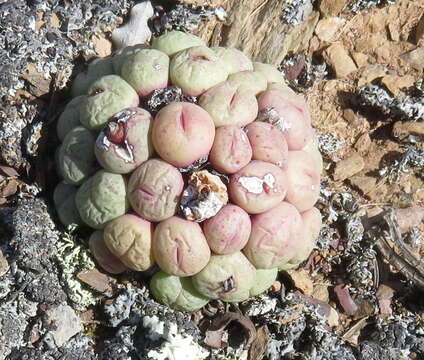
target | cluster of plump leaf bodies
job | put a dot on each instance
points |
(125, 170)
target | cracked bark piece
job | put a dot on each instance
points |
(226, 277)
(258, 187)
(179, 247)
(154, 190)
(125, 142)
(176, 292)
(129, 238)
(276, 236)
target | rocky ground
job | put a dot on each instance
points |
(359, 296)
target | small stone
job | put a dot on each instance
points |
(406, 131)
(136, 30)
(393, 32)
(414, 58)
(360, 59)
(320, 292)
(364, 183)
(348, 167)
(301, 281)
(327, 29)
(331, 7)
(338, 58)
(370, 73)
(276, 286)
(395, 83)
(350, 116)
(102, 46)
(4, 265)
(409, 217)
(345, 300)
(363, 143)
(419, 30)
(384, 296)
(63, 323)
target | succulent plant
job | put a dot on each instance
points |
(175, 41)
(76, 159)
(70, 118)
(228, 231)
(229, 103)
(180, 247)
(269, 72)
(103, 255)
(129, 238)
(276, 236)
(106, 96)
(146, 70)
(249, 80)
(268, 143)
(263, 280)
(258, 187)
(95, 70)
(304, 179)
(154, 190)
(182, 133)
(125, 141)
(231, 149)
(222, 164)
(226, 277)
(177, 292)
(196, 70)
(292, 115)
(64, 201)
(101, 198)
(234, 59)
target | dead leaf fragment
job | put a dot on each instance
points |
(9, 171)
(246, 331)
(352, 335)
(55, 21)
(95, 279)
(259, 345)
(10, 189)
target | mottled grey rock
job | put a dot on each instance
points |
(63, 323)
